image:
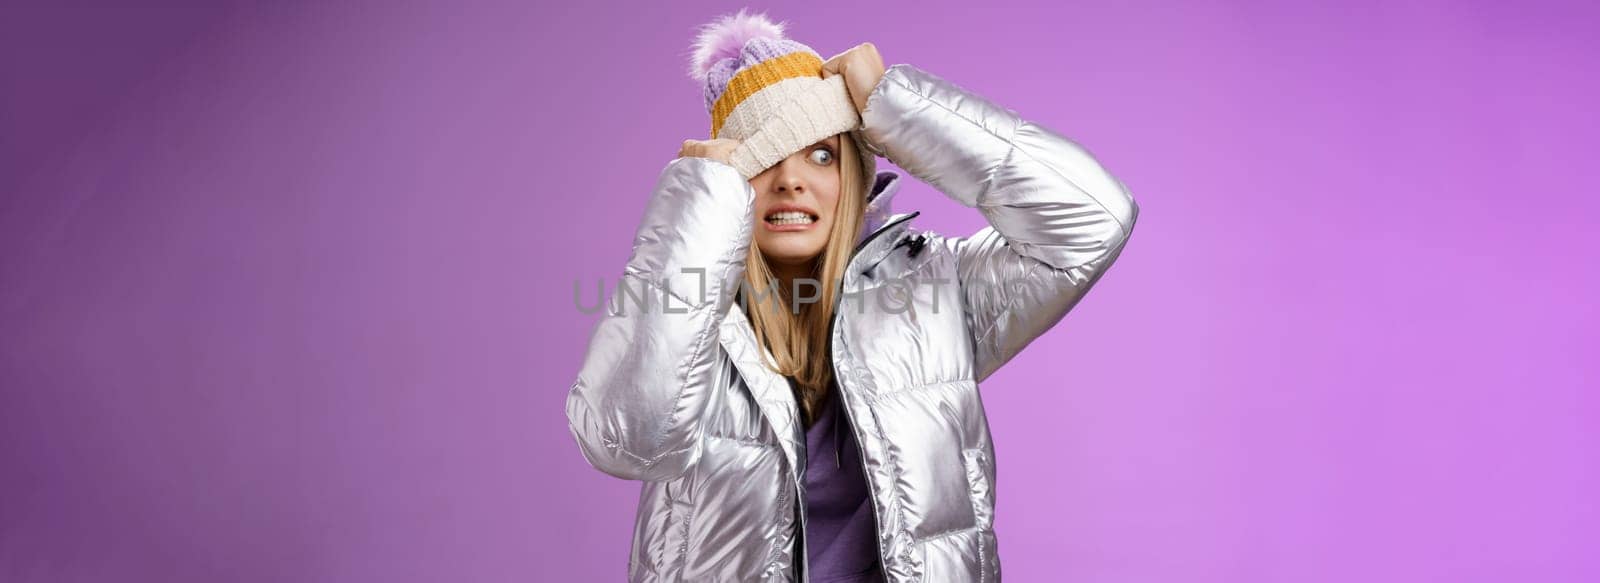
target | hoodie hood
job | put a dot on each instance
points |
(879, 203)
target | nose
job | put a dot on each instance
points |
(788, 180)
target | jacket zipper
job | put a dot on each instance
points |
(872, 493)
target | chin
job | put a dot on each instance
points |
(790, 258)
(790, 253)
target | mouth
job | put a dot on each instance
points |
(790, 219)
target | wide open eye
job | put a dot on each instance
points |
(821, 157)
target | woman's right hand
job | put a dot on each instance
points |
(720, 149)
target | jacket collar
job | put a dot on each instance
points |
(879, 202)
(771, 391)
(882, 228)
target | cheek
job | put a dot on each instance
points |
(830, 192)
(829, 199)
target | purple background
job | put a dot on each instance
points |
(286, 289)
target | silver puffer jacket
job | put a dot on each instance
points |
(674, 392)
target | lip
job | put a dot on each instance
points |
(790, 228)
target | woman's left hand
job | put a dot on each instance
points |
(862, 68)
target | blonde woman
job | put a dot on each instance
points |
(801, 398)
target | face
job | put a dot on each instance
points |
(796, 204)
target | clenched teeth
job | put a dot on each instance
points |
(790, 218)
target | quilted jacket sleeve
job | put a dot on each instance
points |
(1057, 219)
(637, 406)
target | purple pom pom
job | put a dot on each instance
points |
(724, 37)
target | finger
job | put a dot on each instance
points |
(833, 65)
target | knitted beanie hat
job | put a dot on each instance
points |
(767, 91)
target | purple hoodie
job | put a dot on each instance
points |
(840, 530)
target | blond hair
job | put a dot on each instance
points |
(797, 336)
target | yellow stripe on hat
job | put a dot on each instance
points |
(758, 77)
